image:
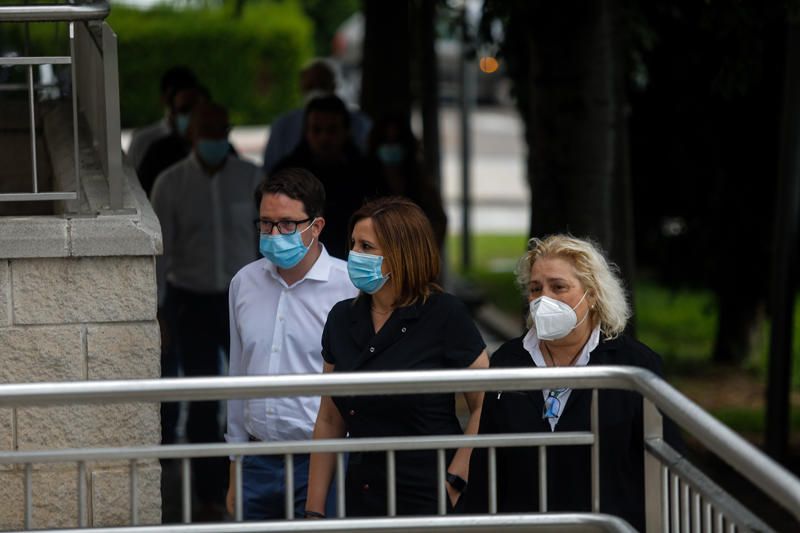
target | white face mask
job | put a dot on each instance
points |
(554, 319)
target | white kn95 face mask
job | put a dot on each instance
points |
(553, 319)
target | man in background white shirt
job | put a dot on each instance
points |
(205, 206)
(278, 308)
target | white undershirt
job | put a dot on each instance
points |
(531, 344)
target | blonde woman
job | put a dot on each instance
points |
(578, 311)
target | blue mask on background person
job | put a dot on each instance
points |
(213, 151)
(391, 153)
(285, 251)
(182, 123)
(365, 271)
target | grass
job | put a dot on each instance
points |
(678, 324)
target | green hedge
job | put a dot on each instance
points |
(249, 64)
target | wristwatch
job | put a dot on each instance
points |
(457, 482)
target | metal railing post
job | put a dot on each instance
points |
(595, 414)
(113, 150)
(75, 140)
(653, 486)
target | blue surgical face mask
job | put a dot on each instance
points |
(391, 153)
(285, 251)
(182, 123)
(365, 271)
(213, 151)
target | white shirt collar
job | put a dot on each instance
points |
(531, 345)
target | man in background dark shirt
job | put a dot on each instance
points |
(327, 151)
(168, 150)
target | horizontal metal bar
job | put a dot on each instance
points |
(344, 383)
(54, 12)
(564, 522)
(710, 491)
(765, 473)
(173, 451)
(37, 196)
(24, 86)
(35, 60)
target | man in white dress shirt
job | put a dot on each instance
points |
(205, 206)
(278, 308)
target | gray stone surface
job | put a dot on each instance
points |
(6, 431)
(33, 237)
(78, 301)
(5, 294)
(12, 511)
(110, 235)
(79, 426)
(55, 502)
(101, 289)
(111, 496)
(41, 353)
(123, 351)
(55, 499)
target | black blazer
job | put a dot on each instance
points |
(568, 467)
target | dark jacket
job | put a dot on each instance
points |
(568, 467)
(436, 334)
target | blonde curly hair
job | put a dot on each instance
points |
(598, 276)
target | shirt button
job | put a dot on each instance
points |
(371, 349)
(403, 330)
(352, 412)
(365, 487)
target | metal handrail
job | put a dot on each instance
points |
(95, 82)
(578, 522)
(55, 12)
(765, 473)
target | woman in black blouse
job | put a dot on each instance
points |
(401, 320)
(578, 312)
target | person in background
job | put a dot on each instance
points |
(168, 150)
(393, 157)
(205, 207)
(316, 79)
(174, 79)
(278, 307)
(401, 320)
(578, 312)
(328, 152)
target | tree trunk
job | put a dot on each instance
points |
(425, 16)
(784, 268)
(574, 119)
(385, 69)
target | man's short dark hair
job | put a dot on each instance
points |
(177, 77)
(328, 104)
(298, 184)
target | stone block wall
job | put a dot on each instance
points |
(78, 302)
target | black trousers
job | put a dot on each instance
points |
(196, 330)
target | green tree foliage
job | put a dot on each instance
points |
(327, 15)
(249, 64)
